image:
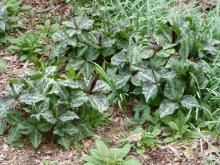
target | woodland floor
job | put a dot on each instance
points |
(112, 132)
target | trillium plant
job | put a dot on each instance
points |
(50, 103)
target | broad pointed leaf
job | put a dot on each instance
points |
(59, 36)
(85, 23)
(70, 129)
(5, 104)
(101, 86)
(122, 79)
(32, 98)
(121, 153)
(119, 59)
(88, 69)
(147, 53)
(146, 75)
(189, 102)
(167, 107)
(45, 84)
(14, 134)
(78, 99)
(166, 53)
(64, 141)
(3, 125)
(174, 89)
(68, 115)
(101, 146)
(70, 83)
(99, 102)
(44, 127)
(149, 90)
(49, 117)
(36, 138)
(85, 130)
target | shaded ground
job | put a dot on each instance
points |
(170, 154)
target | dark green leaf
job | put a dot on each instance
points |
(44, 127)
(174, 89)
(35, 137)
(64, 141)
(14, 134)
(3, 125)
(49, 117)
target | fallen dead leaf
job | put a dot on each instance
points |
(134, 137)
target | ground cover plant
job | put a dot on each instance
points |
(103, 155)
(154, 62)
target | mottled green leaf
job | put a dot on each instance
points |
(49, 117)
(31, 98)
(85, 23)
(148, 53)
(76, 63)
(14, 134)
(36, 138)
(99, 102)
(70, 83)
(25, 127)
(2, 26)
(64, 141)
(146, 75)
(149, 90)
(78, 98)
(167, 107)
(189, 102)
(44, 127)
(184, 49)
(119, 59)
(59, 36)
(166, 53)
(133, 55)
(174, 89)
(122, 79)
(70, 129)
(68, 115)
(101, 86)
(5, 105)
(58, 50)
(88, 69)
(3, 125)
(45, 84)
